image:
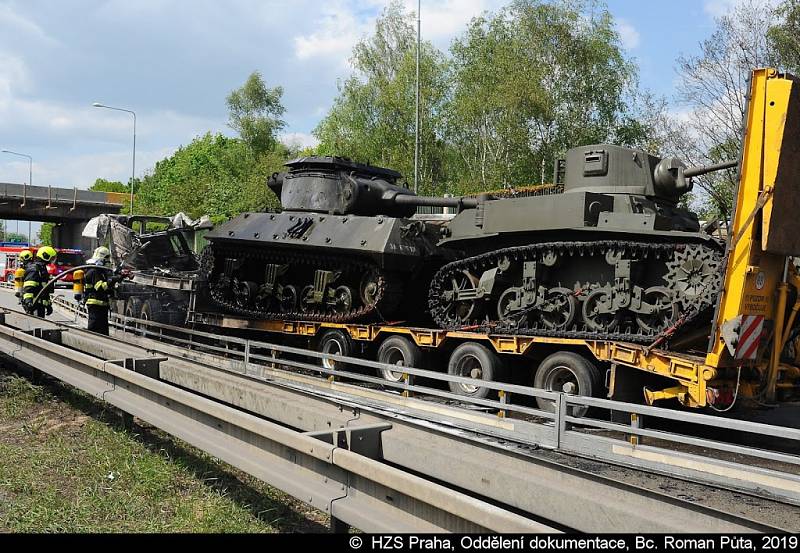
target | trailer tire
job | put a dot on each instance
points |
(473, 360)
(151, 311)
(400, 351)
(336, 342)
(133, 307)
(568, 372)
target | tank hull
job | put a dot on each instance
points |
(335, 268)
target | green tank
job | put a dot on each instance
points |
(612, 256)
(346, 246)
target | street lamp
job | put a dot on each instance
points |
(30, 183)
(133, 171)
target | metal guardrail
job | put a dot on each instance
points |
(530, 484)
(333, 477)
(568, 428)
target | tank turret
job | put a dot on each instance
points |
(339, 186)
(613, 169)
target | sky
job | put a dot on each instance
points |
(174, 61)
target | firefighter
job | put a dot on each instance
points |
(36, 277)
(98, 287)
(25, 257)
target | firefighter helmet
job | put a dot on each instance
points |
(47, 254)
(102, 254)
(25, 256)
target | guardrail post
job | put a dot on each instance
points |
(561, 419)
(246, 356)
(635, 423)
(504, 399)
(408, 381)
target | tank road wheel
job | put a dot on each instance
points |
(288, 300)
(508, 304)
(473, 360)
(570, 373)
(305, 298)
(665, 313)
(244, 292)
(369, 288)
(335, 342)
(460, 311)
(592, 315)
(559, 309)
(399, 351)
(342, 300)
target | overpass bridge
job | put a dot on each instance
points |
(69, 208)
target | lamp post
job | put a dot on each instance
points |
(133, 170)
(30, 183)
(416, 109)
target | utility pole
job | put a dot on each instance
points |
(416, 123)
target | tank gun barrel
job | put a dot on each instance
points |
(703, 169)
(435, 201)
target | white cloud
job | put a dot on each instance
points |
(81, 170)
(336, 32)
(627, 34)
(299, 139)
(442, 21)
(9, 19)
(720, 8)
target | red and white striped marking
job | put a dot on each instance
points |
(749, 336)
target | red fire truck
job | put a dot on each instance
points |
(9, 260)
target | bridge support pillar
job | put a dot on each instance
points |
(68, 235)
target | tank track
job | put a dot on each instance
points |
(388, 292)
(673, 255)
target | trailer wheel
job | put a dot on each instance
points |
(151, 311)
(133, 308)
(567, 372)
(400, 351)
(474, 361)
(335, 342)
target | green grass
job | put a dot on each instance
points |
(67, 464)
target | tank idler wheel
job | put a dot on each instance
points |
(665, 310)
(399, 351)
(569, 373)
(334, 342)
(594, 318)
(288, 299)
(342, 300)
(559, 309)
(473, 360)
(461, 311)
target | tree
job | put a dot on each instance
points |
(714, 85)
(103, 185)
(372, 119)
(45, 235)
(783, 35)
(532, 81)
(254, 112)
(214, 175)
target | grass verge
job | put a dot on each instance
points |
(67, 464)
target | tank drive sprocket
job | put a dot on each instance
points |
(694, 276)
